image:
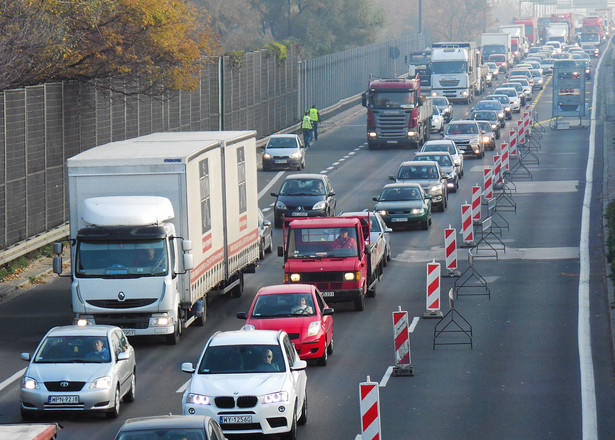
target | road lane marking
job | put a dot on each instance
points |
(270, 184)
(538, 253)
(11, 379)
(183, 387)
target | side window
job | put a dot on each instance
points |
(116, 345)
(320, 302)
(289, 349)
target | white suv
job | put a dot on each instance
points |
(250, 381)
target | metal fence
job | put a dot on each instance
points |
(41, 126)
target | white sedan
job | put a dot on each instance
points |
(437, 121)
(251, 382)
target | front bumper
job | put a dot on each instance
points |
(393, 220)
(281, 163)
(88, 400)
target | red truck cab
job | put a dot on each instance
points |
(316, 252)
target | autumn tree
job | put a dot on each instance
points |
(456, 20)
(155, 43)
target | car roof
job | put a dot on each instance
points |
(417, 163)
(241, 337)
(166, 421)
(439, 142)
(305, 176)
(463, 121)
(78, 330)
(283, 135)
(286, 288)
(431, 153)
(403, 184)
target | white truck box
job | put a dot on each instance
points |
(197, 191)
(494, 43)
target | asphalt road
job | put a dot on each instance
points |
(522, 377)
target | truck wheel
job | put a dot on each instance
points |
(372, 145)
(173, 338)
(238, 289)
(359, 303)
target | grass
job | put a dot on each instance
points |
(15, 267)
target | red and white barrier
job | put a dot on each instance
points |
(433, 291)
(450, 249)
(467, 228)
(487, 184)
(476, 200)
(369, 394)
(520, 132)
(512, 146)
(497, 171)
(402, 339)
(505, 159)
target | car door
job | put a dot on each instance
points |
(123, 369)
(298, 378)
(331, 201)
(327, 321)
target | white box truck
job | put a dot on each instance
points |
(496, 47)
(457, 70)
(158, 222)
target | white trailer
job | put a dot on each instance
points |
(558, 32)
(497, 43)
(457, 70)
(158, 222)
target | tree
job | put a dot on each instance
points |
(155, 43)
(456, 20)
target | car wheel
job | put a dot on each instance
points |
(425, 225)
(330, 346)
(292, 434)
(132, 392)
(497, 135)
(114, 413)
(325, 356)
(269, 248)
(261, 250)
(304, 411)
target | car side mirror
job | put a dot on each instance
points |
(393, 178)
(328, 311)
(187, 367)
(273, 194)
(427, 196)
(242, 315)
(267, 223)
(299, 365)
(376, 199)
(123, 356)
(25, 357)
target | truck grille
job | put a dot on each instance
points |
(126, 304)
(449, 82)
(392, 126)
(132, 320)
(322, 277)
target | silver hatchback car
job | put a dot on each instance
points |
(77, 368)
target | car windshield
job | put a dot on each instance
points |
(443, 161)
(322, 242)
(485, 126)
(73, 350)
(510, 92)
(485, 116)
(448, 147)
(121, 259)
(440, 101)
(426, 172)
(399, 194)
(163, 434)
(461, 129)
(230, 359)
(487, 105)
(283, 305)
(302, 187)
(282, 142)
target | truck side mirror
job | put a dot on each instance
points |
(364, 100)
(186, 245)
(188, 261)
(58, 248)
(57, 263)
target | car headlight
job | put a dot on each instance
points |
(198, 399)
(486, 139)
(507, 108)
(279, 397)
(436, 190)
(313, 328)
(29, 383)
(280, 205)
(319, 205)
(417, 211)
(296, 155)
(540, 81)
(349, 276)
(372, 134)
(500, 115)
(446, 111)
(102, 383)
(586, 70)
(434, 93)
(464, 93)
(457, 162)
(266, 156)
(383, 212)
(494, 126)
(295, 277)
(162, 321)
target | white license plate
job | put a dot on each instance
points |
(391, 142)
(327, 293)
(400, 219)
(63, 399)
(129, 331)
(235, 419)
(300, 214)
(281, 161)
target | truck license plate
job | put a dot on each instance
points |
(63, 399)
(399, 219)
(300, 214)
(235, 419)
(129, 331)
(327, 293)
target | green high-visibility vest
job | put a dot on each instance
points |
(307, 122)
(314, 114)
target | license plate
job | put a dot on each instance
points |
(300, 214)
(235, 419)
(280, 161)
(129, 331)
(327, 293)
(63, 399)
(391, 142)
(401, 219)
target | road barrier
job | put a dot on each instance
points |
(476, 201)
(497, 165)
(433, 291)
(450, 250)
(369, 394)
(520, 133)
(505, 159)
(468, 277)
(403, 358)
(487, 184)
(467, 228)
(451, 324)
(512, 143)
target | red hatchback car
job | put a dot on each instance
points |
(299, 310)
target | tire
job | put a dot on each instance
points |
(359, 303)
(304, 411)
(322, 361)
(330, 346)
(292, 434)
(425, 225)
(173, 339)
(269, 248)
(237, 291)
(261, 251)
(132, 392)
(114, 412)
(372, 146)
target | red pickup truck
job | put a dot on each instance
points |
(332, 254)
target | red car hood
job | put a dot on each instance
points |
(295, 324)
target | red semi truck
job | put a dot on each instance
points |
(531, 31)
(566, 17)
(594, 25)
(397, 114)
(343, 268)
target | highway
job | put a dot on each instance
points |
(529, 373)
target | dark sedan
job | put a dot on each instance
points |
(490, 104)
(304, 195)
(488, 115)
(403, 205)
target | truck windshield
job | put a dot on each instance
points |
(121, 259)
(448, 67)
(490, 49)
(390, 99)
(322, 243)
